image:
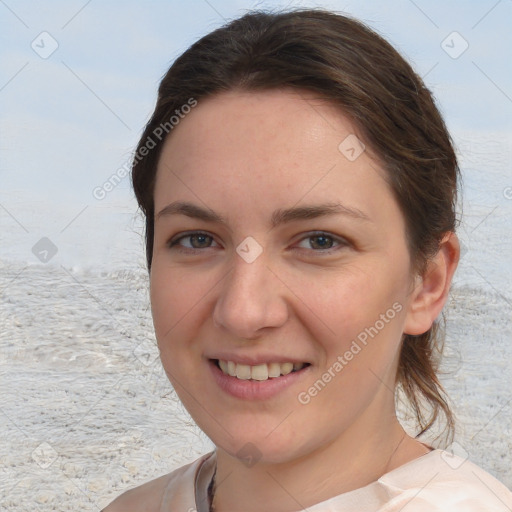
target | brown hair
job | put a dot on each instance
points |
(351, 66)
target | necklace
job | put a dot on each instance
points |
(211, 486)
(211, 491)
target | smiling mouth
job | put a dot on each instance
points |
(258, 372)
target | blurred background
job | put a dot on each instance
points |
(78, 82)
(85, 408)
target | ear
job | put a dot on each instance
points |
(431, 290)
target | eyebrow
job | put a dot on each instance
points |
(280, 216)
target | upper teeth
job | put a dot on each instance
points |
(258, 372)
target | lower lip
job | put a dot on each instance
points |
(255, 389)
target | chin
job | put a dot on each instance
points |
(260, 444)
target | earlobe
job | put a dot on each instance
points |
(431, 290)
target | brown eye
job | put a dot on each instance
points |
(323, 242)
(195, 241)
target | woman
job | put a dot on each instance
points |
(299, 188)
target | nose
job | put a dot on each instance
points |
(251, 300)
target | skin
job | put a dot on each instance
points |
(245, 155)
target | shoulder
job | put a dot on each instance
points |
(176, 488)
(442, 481)
(144, 498)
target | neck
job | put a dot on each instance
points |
(359, 458)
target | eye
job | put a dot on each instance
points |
(318, 242)
(197, 241)
(323, 242)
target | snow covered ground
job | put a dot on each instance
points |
(86, 411)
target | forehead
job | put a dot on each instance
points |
(268, 148)
(239, 122)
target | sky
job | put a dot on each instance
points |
(78, 82)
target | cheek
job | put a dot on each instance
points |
(174, 298)
(345, 305)
(365, 317)
(165, 306)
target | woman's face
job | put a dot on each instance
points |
(277, 242)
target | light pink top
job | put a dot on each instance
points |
(435, 482)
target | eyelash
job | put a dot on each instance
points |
(174, 243)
